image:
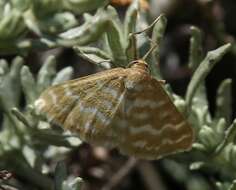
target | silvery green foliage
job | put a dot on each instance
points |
(22, 133)
(46, 19)
(117, 45)
(214, 147)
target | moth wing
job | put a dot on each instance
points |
(155, 127)
(86, 105)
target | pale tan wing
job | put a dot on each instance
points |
(57, 101)
(155, 128)
(87, 105)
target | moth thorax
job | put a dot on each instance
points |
(140, 64)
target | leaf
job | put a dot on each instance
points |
(46, 73)
(60, 175)
(131, 18)
(224, 101)
(115, 40)
(130, 27)
(195, 53)
(28, 84)
(87, 33)
(95, 55)
(63, 75)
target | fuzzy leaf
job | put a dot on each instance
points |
(130, 27)
(89, 32)
(224, 101)
(46, 73)
(58, 22)
(196, 165)
(11, 83)
(229, 137)
(3, 68)
(195, 54)
(63, 75)
(94, 55)
(11, 25)
(28, 85)
(50, 137)
(60, 175)
(115, 41)
(131, 18)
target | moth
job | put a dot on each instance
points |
(124, 108)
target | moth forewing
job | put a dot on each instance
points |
(86, 106)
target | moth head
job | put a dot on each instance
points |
(139, 64)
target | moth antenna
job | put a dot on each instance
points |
(149, 27)
(153, 47)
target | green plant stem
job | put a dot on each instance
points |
(202, 71)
